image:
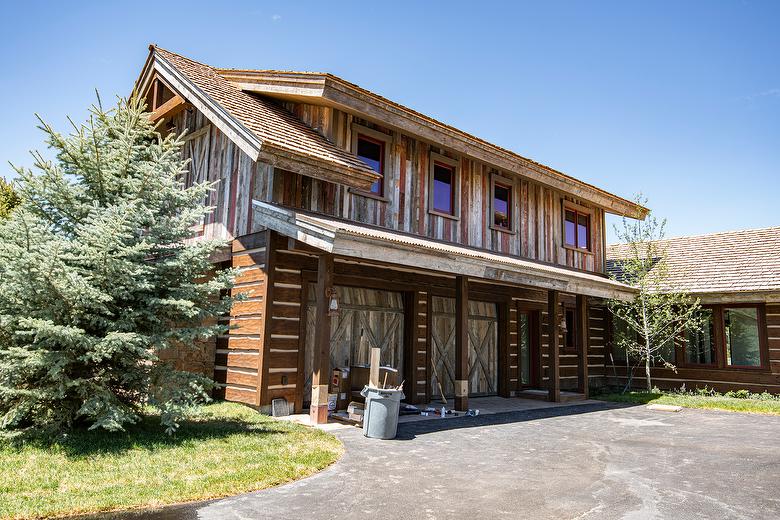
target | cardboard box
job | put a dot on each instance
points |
(332, 401)
(339, 384)
(355, 411)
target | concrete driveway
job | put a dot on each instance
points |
(587, 461)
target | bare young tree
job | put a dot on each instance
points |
(661, 315)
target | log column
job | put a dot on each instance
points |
(318, 412)
(582, 343)
(553, 340)
(461, 343)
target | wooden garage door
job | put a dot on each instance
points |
(483, 347)
(368, 318)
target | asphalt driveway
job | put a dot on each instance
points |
(589, 461)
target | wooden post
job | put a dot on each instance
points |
(503, 348)
(461, 343)
(318, 412)
(582, 343)
(553, 329)
(373, 370)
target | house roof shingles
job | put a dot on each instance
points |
(730, 262)
(272, 124)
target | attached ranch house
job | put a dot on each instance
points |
(736, 276)
(356, 222)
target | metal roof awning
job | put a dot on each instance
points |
(354, 240)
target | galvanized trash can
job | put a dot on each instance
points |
(380, 418)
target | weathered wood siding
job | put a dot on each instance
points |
(537, 219)
(720, 379)
(241, 353)
(597, 332)
(214, 158)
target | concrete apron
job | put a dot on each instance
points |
(485, 405)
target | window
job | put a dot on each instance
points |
(741, 333)
(372, 152)
(700, 346)
(576, 227)
(620, 331)
(502, 206)
(372, 147)
(443, 186)
(570, 341)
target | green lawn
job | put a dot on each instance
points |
(227, 449)
(717, 402)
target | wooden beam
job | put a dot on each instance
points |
(318, 411)
(582, 343)
(168, 109)
(553, 329)
(461, 343)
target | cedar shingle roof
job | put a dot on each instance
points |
(272, 124)
(734, 261)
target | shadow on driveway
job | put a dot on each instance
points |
(410, 430)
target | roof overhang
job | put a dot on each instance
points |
(351, 240)
(221, 118)
(329, 90)
(243, 137)
(713, 298)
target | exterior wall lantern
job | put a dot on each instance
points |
(564, 325)
(333, 301)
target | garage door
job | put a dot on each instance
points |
(367, 318)
(483, 347)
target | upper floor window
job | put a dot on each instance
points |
(373, 148)
(576, 227)
(443, 186)
(502, 205)
(372, 152)
(443, 189)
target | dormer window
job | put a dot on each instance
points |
(502, 203)
(372, 152)
(576, 228)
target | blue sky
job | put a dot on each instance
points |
(677, 100)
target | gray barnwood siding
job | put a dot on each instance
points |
(536, 210)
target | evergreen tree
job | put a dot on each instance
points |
(660, 316)
(8, 198)
(98, 275)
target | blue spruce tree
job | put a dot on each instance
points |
(98, 276)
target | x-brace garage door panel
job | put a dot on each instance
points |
(483, 347)
(367, 318)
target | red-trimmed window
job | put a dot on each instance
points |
(372, 152)
(502, 206)
(443, 188)
(576, 228)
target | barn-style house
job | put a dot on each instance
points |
(357, 222)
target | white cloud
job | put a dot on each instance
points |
(276, 17)
(772, 92)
